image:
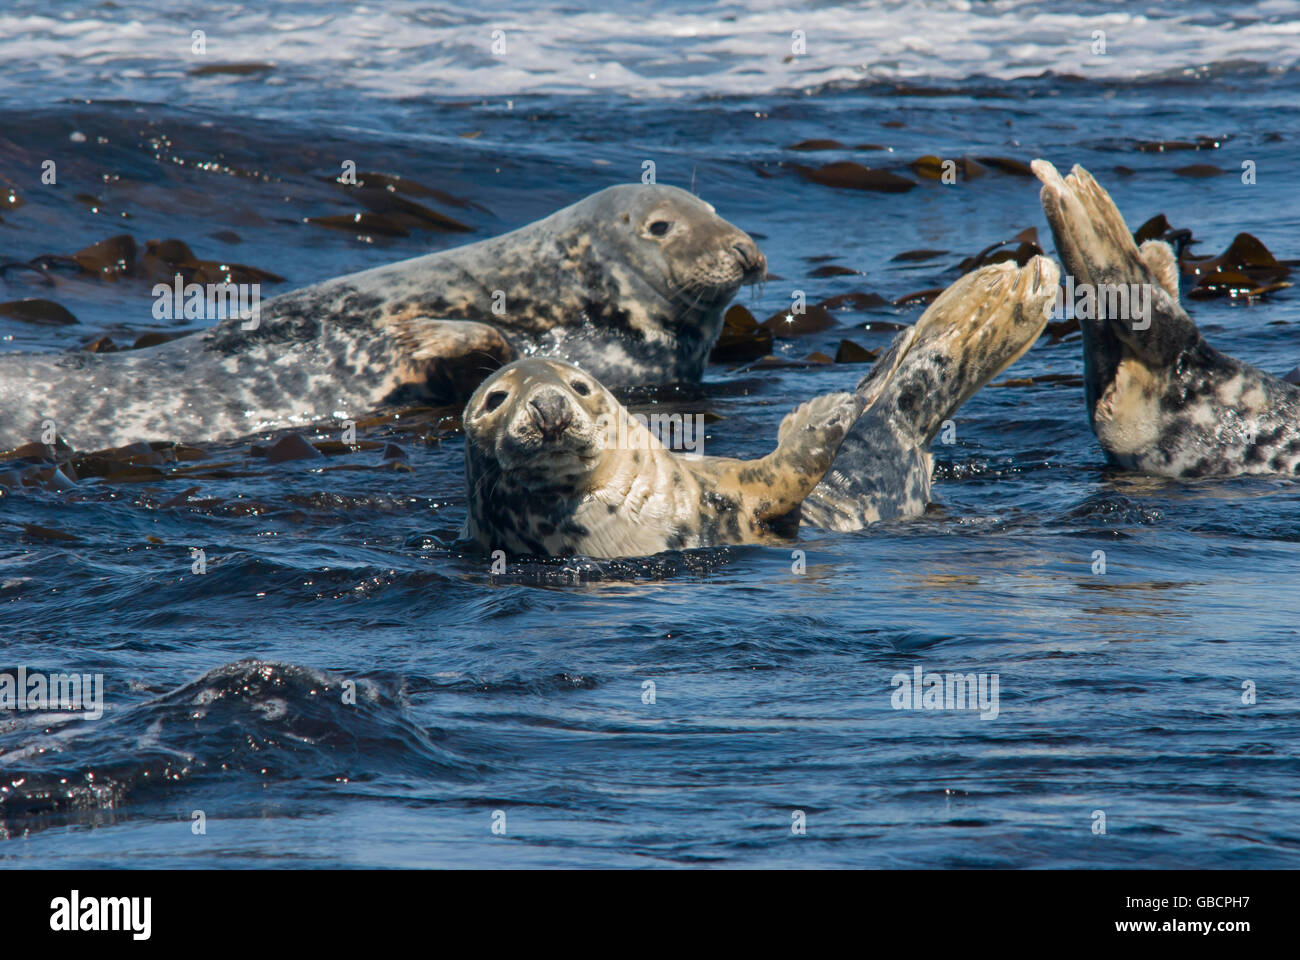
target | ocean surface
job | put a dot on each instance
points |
(343, 687)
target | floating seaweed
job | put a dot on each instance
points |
(833, 270)
(1008, 165)
(1060, 329)
(1158, 228)
(850, 352)
(164, 259)
(847, 175)
(292, 446)
(788, 324)
(1246, 270)
(814, 359)
(232, 69)
(362, 223)
(37, 311)
(390, 213)
(817, 145)
(1170, 146)
(854, 301)
(742, 338)
(919, 297)
(108, 259)
(931, 167)
(1025, 249)
(119, 256)
(1060, 379)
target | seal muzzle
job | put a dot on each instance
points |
(551, 413)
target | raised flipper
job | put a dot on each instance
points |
(808, 441)
(975, 329)
(1160, 399)
(1097, 249)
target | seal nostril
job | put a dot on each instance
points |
(550, 412)
(751, 258)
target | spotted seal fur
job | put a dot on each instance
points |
(974, 330)
(543, 480)
(630, 283)
(1160, 399)
(555, 466)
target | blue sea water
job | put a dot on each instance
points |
(519, 699)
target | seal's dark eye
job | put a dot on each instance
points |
(660, 227)
(580, 388)
(494, 400)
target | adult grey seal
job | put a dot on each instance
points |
(556, 466)
(551, 471)
(1160, 399)
(630, 283)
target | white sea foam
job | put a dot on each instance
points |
(670, 48)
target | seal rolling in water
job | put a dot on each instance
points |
(630, 283)
(545, 477)
(1160, 399)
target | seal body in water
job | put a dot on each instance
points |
(1160, 399)
(974, 330)
(629, 283)
(551, 471)
(555, 466)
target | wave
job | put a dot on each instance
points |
(681, 47)
(256, 719)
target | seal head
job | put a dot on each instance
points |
(630, 284)
(540, 422)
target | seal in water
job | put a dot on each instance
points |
(974, 330)
(629, 283)
(555, 466)
(1160, 399)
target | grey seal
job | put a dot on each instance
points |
(629, 283)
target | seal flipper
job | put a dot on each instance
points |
(445, 360)
(774, 486)
(978, 327)
(808, 441)
(1160, 399)
(1160, 260)
(1097, 249)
